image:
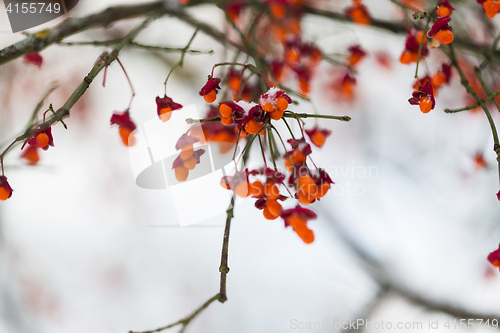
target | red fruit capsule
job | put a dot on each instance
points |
(5, 189)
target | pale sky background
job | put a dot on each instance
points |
(82, 250)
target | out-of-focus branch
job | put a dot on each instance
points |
(470, 90)
(368, 310)
(376, 270)
(42, 39)
(401, 28)
(185, 321)
(449, 309)
(474, 106)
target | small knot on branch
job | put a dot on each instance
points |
(419, 16)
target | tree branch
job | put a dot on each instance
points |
(224, 269)
(103, 61)
(39, 41)
(44, 38)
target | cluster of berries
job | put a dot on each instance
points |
(491, 7)
(188, 157)
(358, 13)
(280, 32)
(344, 86)
(268, 197)
(235, 120)
(426, 88)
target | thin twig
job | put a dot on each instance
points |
(185, 321)
(137, 45)
(64, 111)
(290, 114)
(421, 45)
(474, 106)
(224, 269)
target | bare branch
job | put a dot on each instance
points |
(42, 39)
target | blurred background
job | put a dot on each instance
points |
(402, 237)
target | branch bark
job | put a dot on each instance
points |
(43, 39)
(376, 271)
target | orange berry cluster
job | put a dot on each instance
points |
(441, 77)
(5, 189)
(283, 26)
(275, 102)
(31, 155)
(441, 32)
(165, 106)
(125, 127)
(234, 81)
(248, 92)
(358, 13)
(280, 9)
(318, 136)
(356, 54)
(215, 131)
(344, 84)
(479, 161)
(437, 80)
(490, 7)
(444, 8)
(41, 139)
(209, 90)
(309, 185)
(427, 88)
(412, 44)
(298, 154)
(494, 257)
(284, 19)
(268, 196)
(238, 183)
(301, 58)
(188, 157)
(297, 218)
(267, 193)
(249, 117)
(424, 98)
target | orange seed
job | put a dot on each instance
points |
(225, 110)
(4, 194)
(211, 96)
(444, 36)
(282, 103)
(425, 105)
